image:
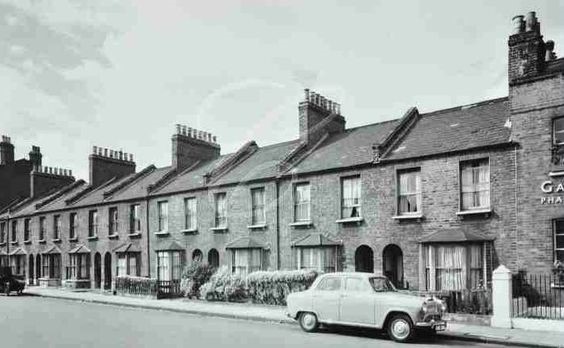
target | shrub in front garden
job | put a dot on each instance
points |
(193, 277)
(273, 287)
(224, 286)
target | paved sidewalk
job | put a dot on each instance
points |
(484, 334)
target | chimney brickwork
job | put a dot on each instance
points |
(6, 151)
(190, 145)
(45, 179)
(106, 164)
(527, 49)
(318, 116)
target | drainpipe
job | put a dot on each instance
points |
(277, 182)
(148, 237)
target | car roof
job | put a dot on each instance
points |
(356, 274)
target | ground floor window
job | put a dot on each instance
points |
(3, 261)
(52, 266)
(323, 259)
(169, 264)
(559, 240)
(17, 262)
(128, 264)
(245, 261)
(454, 266)
(79, 266)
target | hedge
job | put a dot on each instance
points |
(224, 286)
(273, 287)
(193, 277)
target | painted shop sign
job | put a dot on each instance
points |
(551, 187)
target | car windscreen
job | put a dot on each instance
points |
(381, 284)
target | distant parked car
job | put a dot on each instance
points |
(365, 300)
(10, 282)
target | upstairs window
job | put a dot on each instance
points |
(258, 215)
(57, 227)
(162, 208)
(42, 228)
(558, 126)
(26, 229)
(559, 240)
(14, 231)
(113, 220)
(475, 184)
(409, 192)
(2, 232)
(73, 225)
(220, 209)
(190, 214)
(350, 197)
(134, 219)
(92, 223)
(302, 202)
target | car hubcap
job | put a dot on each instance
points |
(400, 329)
(309, 321)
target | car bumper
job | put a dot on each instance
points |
(438, 325)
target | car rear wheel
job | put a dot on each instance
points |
(308, 322)
(400, 328)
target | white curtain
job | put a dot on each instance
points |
(409, 192)
(449, 262)
(351, 198)
(475, 178)
(301, 202)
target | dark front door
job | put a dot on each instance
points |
(107, 271)
(393, 265)
(364, 259)
(97, 271)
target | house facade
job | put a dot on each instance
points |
(434, 200)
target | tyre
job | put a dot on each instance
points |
(400, 328)
(308, 322)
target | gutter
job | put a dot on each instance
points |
(148, 236)
(277, 183)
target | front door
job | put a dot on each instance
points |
(326, 299)
(357, 302)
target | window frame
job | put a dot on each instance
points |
(57, 227)
(217, 218)
(171, 268)
(3, 232)
(14, 231)
(113, 221)
(254, 207)
(27, 230)
(321, 253)
(162, 219)
(249, 267)
(555, 234)
(419, 195)
(295, 204)
(42, 228)
(93, 223)
(73, 226)
(127, 269)
(554, 138)
(460, 185)
(134, 218)
(343, 179)
(190, 218)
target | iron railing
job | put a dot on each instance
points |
(468, 301)
(538, 296)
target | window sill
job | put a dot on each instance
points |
(161, 233)
(92, 237)
(14, 242)
(219, 229)
(190, 231)
(3, 243)
(134, 234)
(473, 212)
(257, 227)
(557, 285)
(556, 173)
(75, 239)
(58, 240)
(308, 223)
(42, 241)
(27, 241)
(113, 236)
(356, 220)
(407, 217)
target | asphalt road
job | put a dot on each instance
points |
(40, 322)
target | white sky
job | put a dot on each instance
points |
(119, 74)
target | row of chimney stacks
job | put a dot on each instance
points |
(322, 102)
(113, 154)
(196, 134)
(53, 171)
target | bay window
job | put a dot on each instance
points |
(245, 261)
(322, 259)
(79, 266)
(128, 264)
(51, 266)
(453, 266)
(169, 264)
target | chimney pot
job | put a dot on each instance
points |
(518, 24)
(306, 94)
(550, 50)
(531, 21)
(214, 139)
(177, 128)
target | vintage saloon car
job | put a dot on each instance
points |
(366, 300)
(10, 282)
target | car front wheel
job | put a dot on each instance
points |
(308, 322)
(400, 328)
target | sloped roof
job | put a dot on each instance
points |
(128, 248)
(315, 239)
(79, 249)
(191, 179)
(454, 236)
(59, 203)
(172, 245)
(53, 250)
(18, 251)
(456, 129)
(138, 189)
(245, 243)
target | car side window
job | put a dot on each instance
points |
(356, 284)
(330, 284)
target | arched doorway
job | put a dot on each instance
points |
(213, 258)
(97, 271)
(197, 255)
(108, 271)
(392, 258)
(38, 268)
(31, 275)
(364, 259)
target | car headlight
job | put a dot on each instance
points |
(424, 307)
